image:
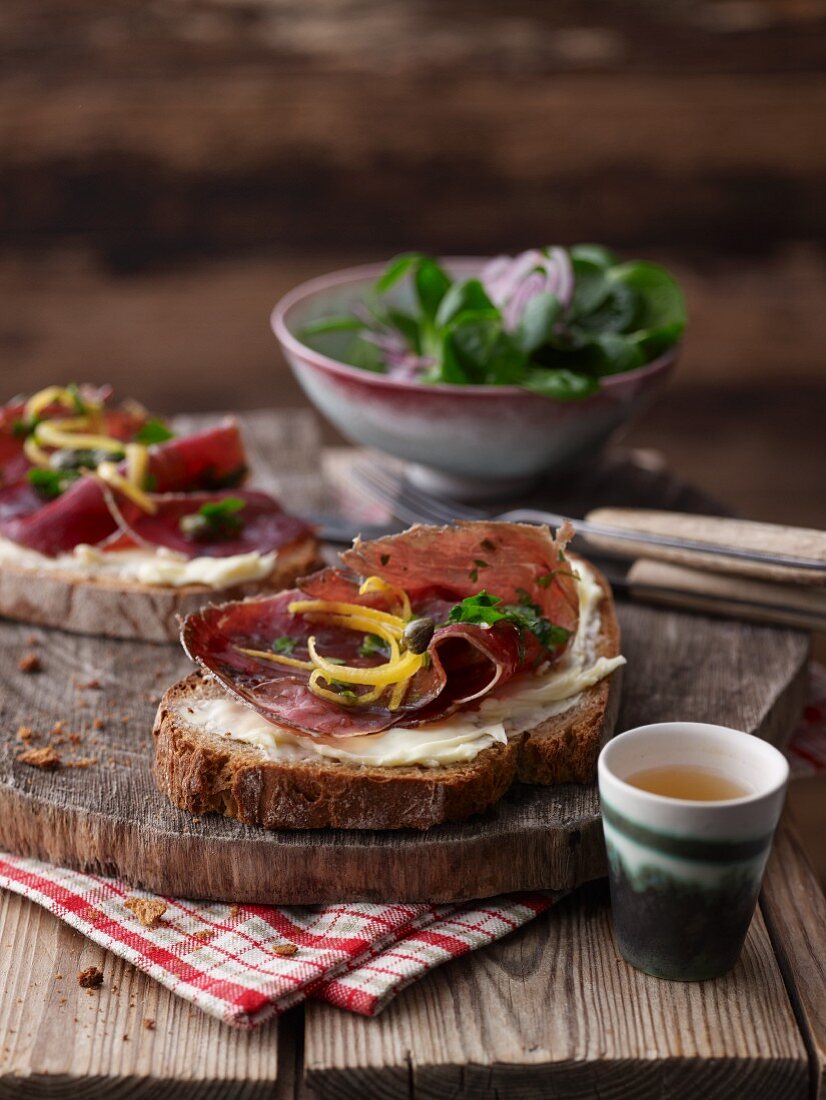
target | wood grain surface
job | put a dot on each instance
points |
(553, 1011)
(62, 1040)
(795, 911)
(110, 818)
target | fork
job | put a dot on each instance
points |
(728, 545)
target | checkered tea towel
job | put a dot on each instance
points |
(247, 963)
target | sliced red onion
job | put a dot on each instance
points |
(511, 282)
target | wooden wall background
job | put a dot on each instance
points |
(169, 167)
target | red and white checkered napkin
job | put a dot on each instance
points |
(221, 958)
(358, 957)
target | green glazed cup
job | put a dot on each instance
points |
(685, 875)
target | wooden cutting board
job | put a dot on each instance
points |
(108, 817)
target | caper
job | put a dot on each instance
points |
(196, 527)
(417, 634)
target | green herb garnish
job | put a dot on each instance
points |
(344, 691)
(49, 484)
(78, 404)
(373, 646)
(284, 644)
(153, 431)
(23, 427)
(485, 609)
(217, 519)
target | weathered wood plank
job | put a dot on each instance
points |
(61, 1040)
(553, 1011)
(111, 818)
(795, 912)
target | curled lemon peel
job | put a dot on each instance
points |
(362, 623)
(137, 464)
(277, 658)
(376, 584)
(74, 434)
(62, 434)
(51, 395)
(389, 673)
(337, 607)
(336, 697)
(108, 472)
(36, 455)
(327, 677)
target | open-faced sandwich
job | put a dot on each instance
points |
(408, 688)
(110, 524)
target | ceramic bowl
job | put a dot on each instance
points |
(495, 434)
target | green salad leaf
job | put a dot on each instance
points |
(559, 322)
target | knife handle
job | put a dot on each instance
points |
(760, 547)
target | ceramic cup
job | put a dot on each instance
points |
(685, 875)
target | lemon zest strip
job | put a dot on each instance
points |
(34, 453)
(376, 584)
(389, 673)
(277, 658)
(335, 607)
(57, 434)
(49, 396)
(108, 472)
(335, 697)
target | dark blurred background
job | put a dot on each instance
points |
(170, 167)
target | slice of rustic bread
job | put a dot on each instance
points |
(202, 772)
(564, 749)
(116, 608)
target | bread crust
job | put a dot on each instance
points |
(204, 772)
(112, 607)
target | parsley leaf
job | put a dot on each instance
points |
(525, 616)
(373, 646)
(217, 519)
(153, 431)
(78, 403)
(49, 484)
(481, 608)
(285, 644)
(22, 427)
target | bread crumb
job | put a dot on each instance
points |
(45, 758)
(58, 728)
(234, 910)
(149, 1024)
(75, 738)
(284, 949)
(89, 685)
(125, 1038)
(26, 733)
(30, 662)
(98, 724)
(32, 639)
(81, 762)
(204, 935)
(148, 910)
(90, 978)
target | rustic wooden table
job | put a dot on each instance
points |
(550, 1011)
